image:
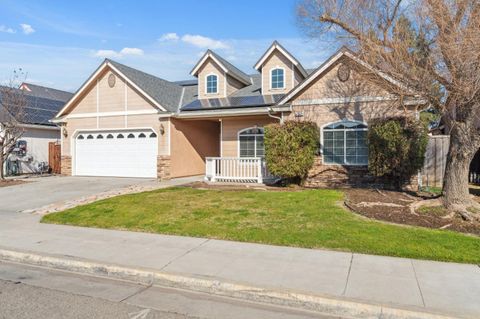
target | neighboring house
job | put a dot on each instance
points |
(42, 103)
(124, 122)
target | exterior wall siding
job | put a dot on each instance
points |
(210, 67)
(304, 108)
(275, 60)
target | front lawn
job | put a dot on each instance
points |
(307, 218)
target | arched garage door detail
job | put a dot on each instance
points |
(116, 153)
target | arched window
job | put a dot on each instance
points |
(131, 135)
(120, 136)
(278, 78)
(90, 137)
(109, 136)
(80, 137)
(99, 136)
(153, 135)
(345, 143)
(251, 142)
(141, 135)
(212, 84)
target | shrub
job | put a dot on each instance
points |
(396, 148)
(290, 149)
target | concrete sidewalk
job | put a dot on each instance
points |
(447, 288)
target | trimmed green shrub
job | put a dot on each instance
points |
(290, 149)
(396, 148)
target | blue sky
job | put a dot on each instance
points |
(60, 43)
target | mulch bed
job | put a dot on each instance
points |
(393, 206)
(10, 182)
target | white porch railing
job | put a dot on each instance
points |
(237, 169)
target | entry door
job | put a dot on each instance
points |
(120, 153)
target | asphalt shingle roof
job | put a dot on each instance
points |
(166, 93)
(230, 67)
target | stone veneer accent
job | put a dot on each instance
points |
(66, 165)
(163, 166)
(342, 176)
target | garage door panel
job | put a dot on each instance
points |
(123, 157)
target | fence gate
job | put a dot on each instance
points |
(435, 160)
(54, 155)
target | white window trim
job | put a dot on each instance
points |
(206, 83)
(255, 145)
(344, 147)
(284, 77)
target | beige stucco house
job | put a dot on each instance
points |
(124, 122)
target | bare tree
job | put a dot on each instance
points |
(12, 114)
(432, 49)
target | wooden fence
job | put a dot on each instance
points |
(435, 160)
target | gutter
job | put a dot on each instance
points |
(237, 112)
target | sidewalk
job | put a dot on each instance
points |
(446, 288)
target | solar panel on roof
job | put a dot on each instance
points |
(232, 102)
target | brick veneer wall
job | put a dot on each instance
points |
(66, 165)
(340, 176)
(163, 166)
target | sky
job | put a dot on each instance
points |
(60, 43)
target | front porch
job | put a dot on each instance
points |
(237, 170)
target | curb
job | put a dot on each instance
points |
(325, 305)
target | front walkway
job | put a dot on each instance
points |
(440, 287)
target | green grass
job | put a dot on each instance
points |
(308, 218)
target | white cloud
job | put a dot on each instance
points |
(118, 54)
(27, 29)
(131, 51)
(108, 54)
(204, 42)
(172, 36)
(6, 29)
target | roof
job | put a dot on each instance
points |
(277, 46)
(166, 93)
(229, 68)
(42, 103)
(46, 92)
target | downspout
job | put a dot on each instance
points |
(279, 118)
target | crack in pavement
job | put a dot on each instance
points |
(348, 276)
(418, 284)
(184, 254)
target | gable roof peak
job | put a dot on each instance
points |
(277, 46)
(226, 66)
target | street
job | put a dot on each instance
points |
(34, 292)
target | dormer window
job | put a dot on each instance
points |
(278, 78)
(212, 84)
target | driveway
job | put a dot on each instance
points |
(41, 191)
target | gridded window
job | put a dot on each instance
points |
(345, 143)
(251, 142)
(278, 77)
(212, 84)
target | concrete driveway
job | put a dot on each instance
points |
(41, 191)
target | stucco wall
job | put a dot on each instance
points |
(192, 141)
(231, 126)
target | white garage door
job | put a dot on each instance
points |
(120, 153)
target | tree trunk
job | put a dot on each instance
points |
(456, 196)
(2, 177)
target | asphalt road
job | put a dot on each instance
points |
(35, 292)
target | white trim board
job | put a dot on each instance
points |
(276, 46)
(353, 99)
(108, 114)
(94, 76)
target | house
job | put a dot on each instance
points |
(124, 122)
(41, 104)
